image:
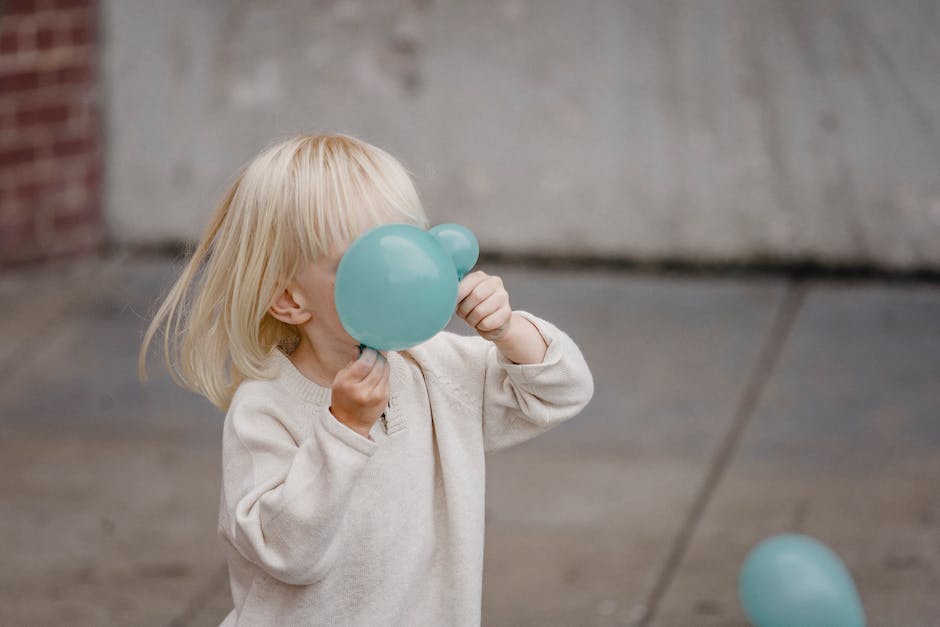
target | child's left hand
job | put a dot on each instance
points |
(483, 303)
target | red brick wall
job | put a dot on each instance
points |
(50, 137)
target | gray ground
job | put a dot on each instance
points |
(725, 411)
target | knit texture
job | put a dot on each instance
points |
(323, 526)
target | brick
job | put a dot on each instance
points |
(38, 137)
(63, 38)
(45, 38)
(72, 4)
(72, 147)
(29, 191)
(18, 80)
(14, 154)
(78, 74)
(82, 34)
(26, 37)
(51, 114)
(33, 190)
(48, 79)
(8, 41)
(13, 8)
(44, 169)
(17, 155)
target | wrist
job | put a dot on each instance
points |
(512, 330)
(358, 427)
(523, 342)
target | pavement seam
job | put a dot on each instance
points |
(780, 329)
(25, 353)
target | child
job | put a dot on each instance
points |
(352, 485)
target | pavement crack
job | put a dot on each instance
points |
(747, 403)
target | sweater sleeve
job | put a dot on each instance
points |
(283, 499)
(520, 401)
(516, 402)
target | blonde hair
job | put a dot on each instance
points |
(286, 209)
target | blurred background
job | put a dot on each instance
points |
(732, 206)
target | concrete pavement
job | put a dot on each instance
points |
(726, 410)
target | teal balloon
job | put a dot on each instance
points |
(460, 243)
(791, 579)
(396, 285)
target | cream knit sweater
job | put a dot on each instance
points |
(323, 526)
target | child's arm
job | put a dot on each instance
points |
(522, 400)
(523, 342)
(534, 374)
(283, 500)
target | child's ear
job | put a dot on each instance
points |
(286, 309)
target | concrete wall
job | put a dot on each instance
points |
(714, 131)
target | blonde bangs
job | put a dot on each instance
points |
(343, 188)
(288, 208)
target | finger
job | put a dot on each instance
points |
(381, 388)
(495, 320)
(360, 368)
(377, 365)
(469, 282)
(492, 304)
(480, 293)
(386, 394)
(376, 377)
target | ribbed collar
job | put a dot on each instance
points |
(295, 381)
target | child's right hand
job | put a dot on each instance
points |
(360, 391)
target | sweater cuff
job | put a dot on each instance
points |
(344, 434)
(530, 372)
